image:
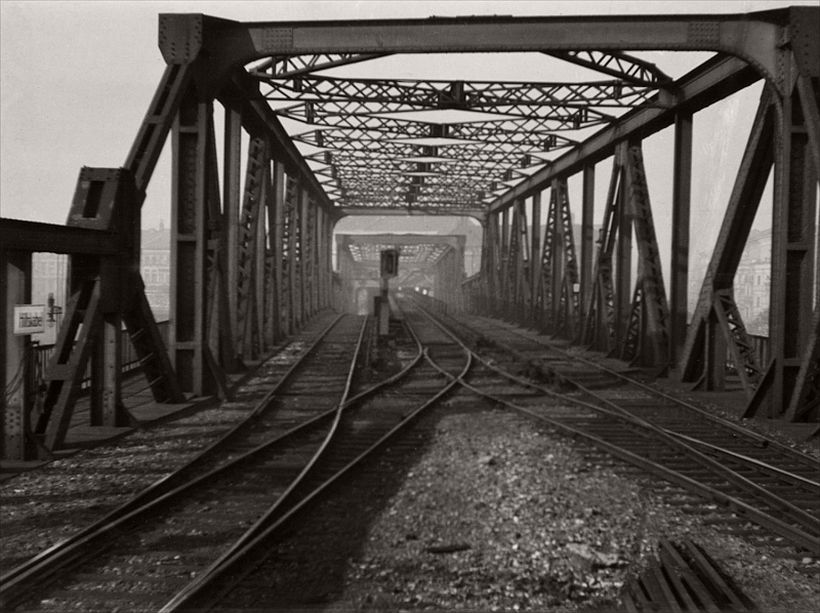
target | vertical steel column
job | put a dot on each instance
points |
(514, 263)
(321, 252)
(494, 286)
(623, 259)
(106, 364)
(250, 219)
(279, 278)
(587, 237)
(15, 288)
(272, 330)
(303, 203)
(291, 197)
(805, 399)
(260, 297)
(544, 297)
(328, 260)
(504, 284)
(486, 286)
(324, 262)
(681, 198)
(188, 231)
(557, 193)
(522, 255)
(320, 256)
(232, 165)
(793, 235)
(292, 238)
(535, 255)
(460, 271)
(313, 268)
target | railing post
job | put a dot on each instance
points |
(15, 288)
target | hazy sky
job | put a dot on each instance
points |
(77, 78)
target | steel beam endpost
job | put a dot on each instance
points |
(623, 257)
(260, 297)
(187, 330)
(231, 185)
(793, 247)
(681, 203)
(272, 333)
(535, 257)
(587, 236)
(505, 262)
(278, 217)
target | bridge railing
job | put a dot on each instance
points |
(761, 348)
(41, 354)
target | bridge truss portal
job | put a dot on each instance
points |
(251, 247)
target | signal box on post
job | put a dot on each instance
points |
(389, 263)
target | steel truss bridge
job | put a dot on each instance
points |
(251, 247)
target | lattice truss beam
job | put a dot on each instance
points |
(421, 253)
(414, 250)
(456, 144)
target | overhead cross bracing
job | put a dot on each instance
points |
(414, 249)
(445, 144)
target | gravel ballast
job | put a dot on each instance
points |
(483, 511)
(497, 514)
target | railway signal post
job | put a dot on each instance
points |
(389, 268)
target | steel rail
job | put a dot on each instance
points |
(781, 473)
(183, 599)
(670, 436)
(258, 526)
(801, 457)
(797, 456)
(809, 541)
(803, 539)
(156, 488)
(55, 557)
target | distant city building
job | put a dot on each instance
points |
(752, 281)
(155, 266)
(49, 274)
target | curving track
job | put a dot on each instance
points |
(168, 533)
(760, 488)
(192, 538)
(363, 424)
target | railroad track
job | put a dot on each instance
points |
(176, 546)
(244, 453)
(363, 424)
(709, 592)
(763, 490)
(179, 564)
